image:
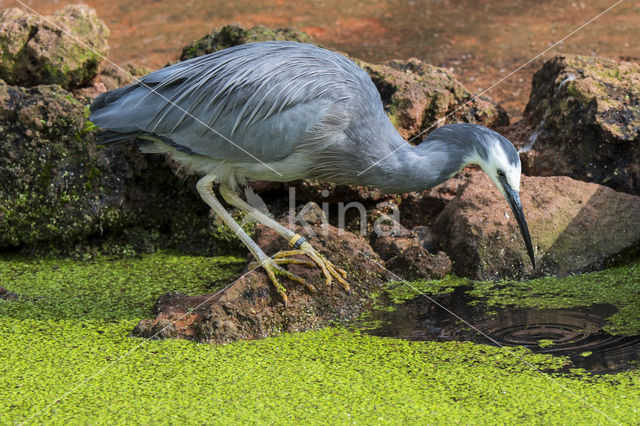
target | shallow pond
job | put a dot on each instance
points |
(592, 318)
(66, 357)
(576, 333)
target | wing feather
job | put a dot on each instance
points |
(265, 97)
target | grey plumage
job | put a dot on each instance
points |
(264, 102)
(283, 111)
(244, 93)
(270, 99)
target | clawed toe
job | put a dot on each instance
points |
(293, 261)
(329, 270)
(280, 270)
(272, 269)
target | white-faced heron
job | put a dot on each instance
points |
(282, 111)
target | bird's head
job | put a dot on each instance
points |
(501, 162)
(497, 156)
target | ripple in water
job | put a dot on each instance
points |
(577, 334)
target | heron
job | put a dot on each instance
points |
(282, 111)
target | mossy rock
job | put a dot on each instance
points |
(234, 35)
(418, 96)
(61, 193)
(63, 49)
(583, 120)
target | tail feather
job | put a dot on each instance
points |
(104, 99)
(105, 137)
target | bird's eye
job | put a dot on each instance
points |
(501, 173)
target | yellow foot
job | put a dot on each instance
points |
(329, 270)
(272, 268)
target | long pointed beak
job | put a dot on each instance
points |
(516, 207)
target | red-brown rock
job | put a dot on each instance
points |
(418, 96)
(251, 309)
(575, 227)
(416, 262)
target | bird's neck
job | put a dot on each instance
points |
(416, 168)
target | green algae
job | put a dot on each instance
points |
(66, 338)
(326, 376)
(401, 291)
(545, 343)
(618, 286)
(107, 289)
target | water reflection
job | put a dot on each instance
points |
(575, 333)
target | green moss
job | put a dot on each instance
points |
(233, 35)
(228, 239)
(67, 337)
(392, 113)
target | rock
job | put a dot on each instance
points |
(575, 227)
(59, 192)
(233, 35)
(251, 309)
(110, 77)
(329, 192)
(160, 329)
(583, 120)
(312, 214)
(420, 209)
(417, 263)
(417, 95)
(425, 237)
(64, 49)
(391, 244)
(404, 254)
(388, 247)
(6, 294)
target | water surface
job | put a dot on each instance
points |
(575, 333)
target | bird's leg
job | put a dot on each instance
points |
(270, 265)
(298, 243)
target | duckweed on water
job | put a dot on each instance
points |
(108, 289)
(70, 329)
(401, 291)
(618, 286)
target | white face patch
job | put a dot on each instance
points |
(498, 160)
